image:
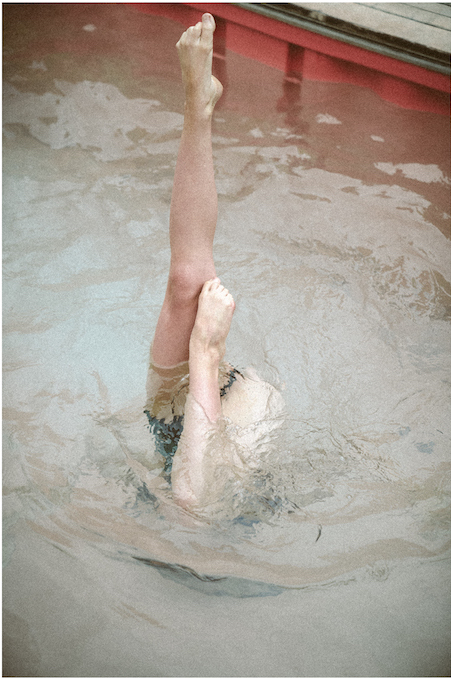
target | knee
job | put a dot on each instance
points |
(184, 286)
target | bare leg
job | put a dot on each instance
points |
(203, 406)
(197, 310)
(207, 345)
(194, 199)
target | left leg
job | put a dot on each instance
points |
(194, 199)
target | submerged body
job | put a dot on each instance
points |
(252, 409)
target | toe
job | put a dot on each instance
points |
(208, 27)
(194, 32)
(211, 285)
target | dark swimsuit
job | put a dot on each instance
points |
(167, 434)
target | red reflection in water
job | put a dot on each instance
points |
(371, 140)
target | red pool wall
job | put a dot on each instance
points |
(302, 54)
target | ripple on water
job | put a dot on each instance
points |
(343, 304)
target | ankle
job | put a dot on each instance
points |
(204, 354)
(204, 348)
(196, 112)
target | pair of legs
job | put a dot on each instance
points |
(197, 310)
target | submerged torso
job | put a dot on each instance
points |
(251, 409)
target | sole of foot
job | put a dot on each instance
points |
(214, 317)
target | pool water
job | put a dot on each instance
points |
(333, 236)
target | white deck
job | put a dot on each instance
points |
(421, 23)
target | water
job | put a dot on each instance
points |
(333, 239)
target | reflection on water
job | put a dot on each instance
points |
(331, 237)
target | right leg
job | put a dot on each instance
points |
(203, 405)
(194, 199)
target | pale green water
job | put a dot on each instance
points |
(331, 239)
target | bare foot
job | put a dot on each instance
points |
(195, 47)
(213, 319)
